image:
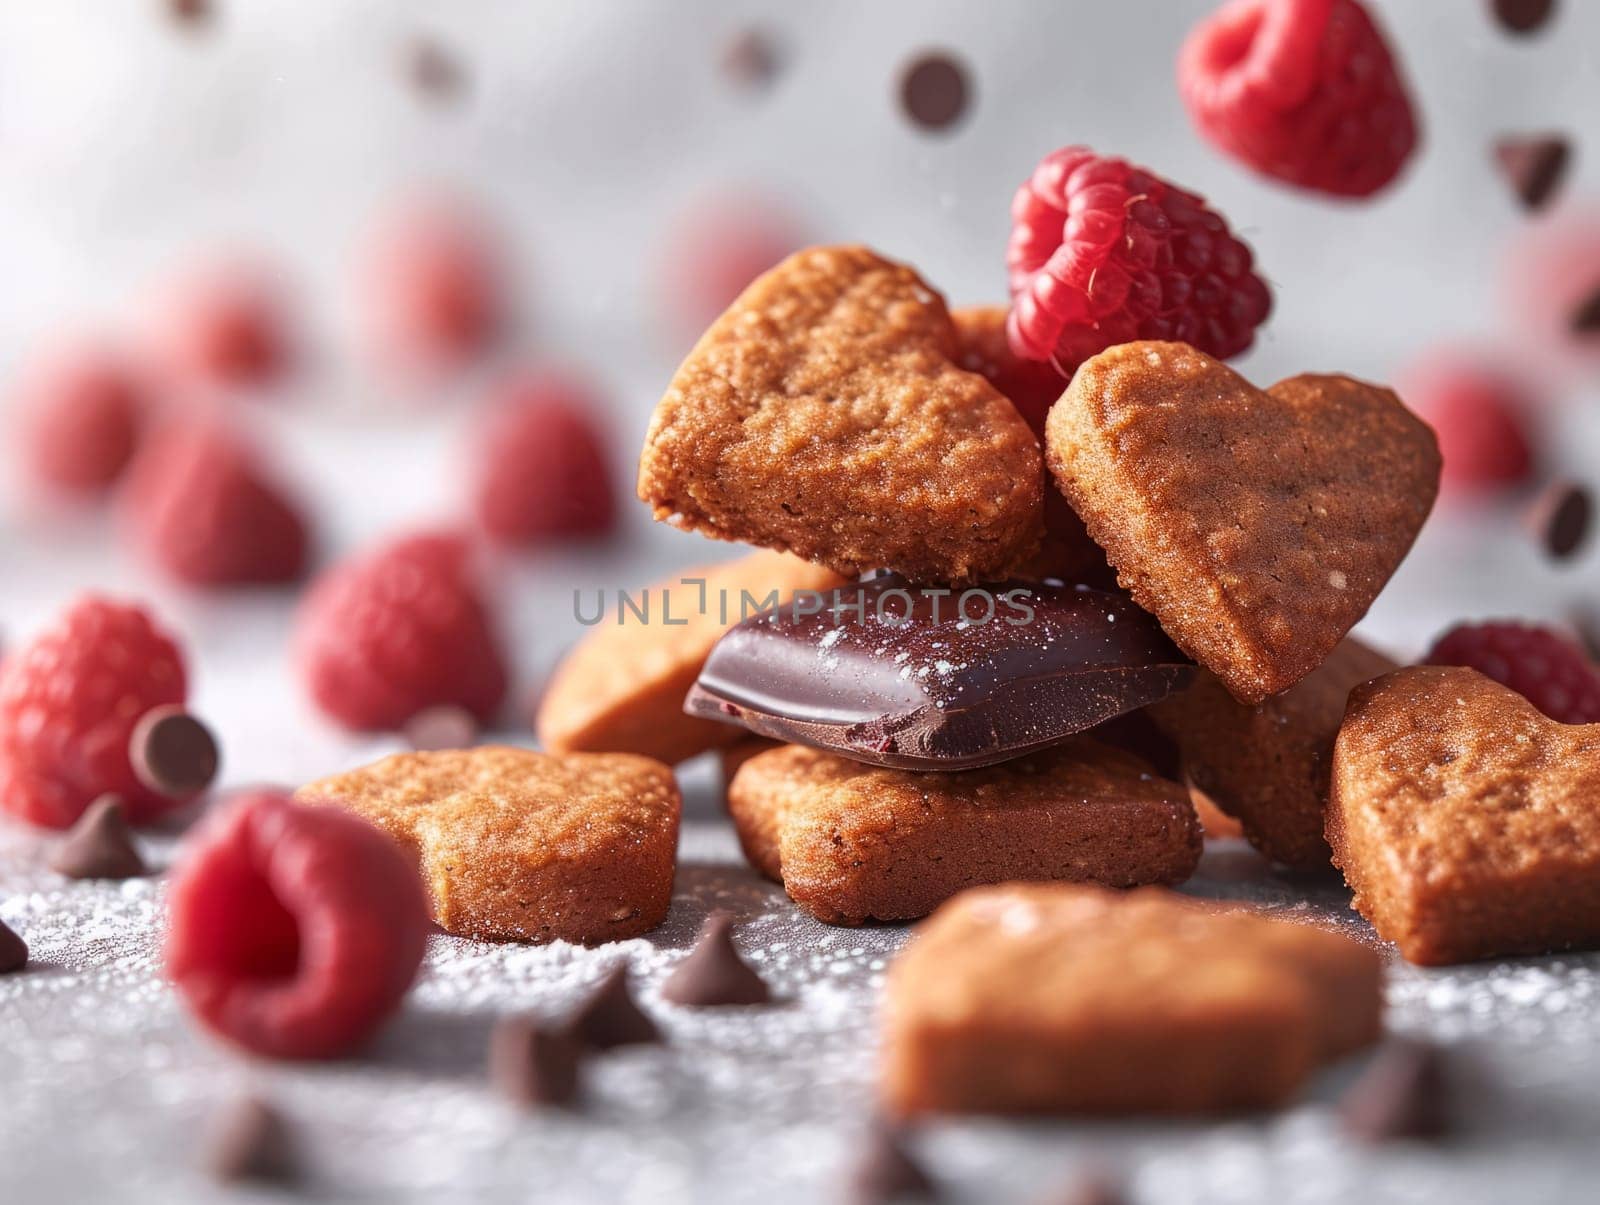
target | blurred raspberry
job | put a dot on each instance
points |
(293, 931)
(226, 326)
(542, 471)
(433, 289)
(201, 506)
(69, 701)
(1551, 278)
(1304, 91)
(1103, 252)
(81, 410)
(399, 629)
(1543, 666)
(714, 250)
(1480, 415)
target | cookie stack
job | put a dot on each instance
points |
(979, 710)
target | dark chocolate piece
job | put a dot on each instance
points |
(443, 727)
(1533, 166)
(1522, 16)
(191, 13)
(100, 845)
(533, 1064)
(894, 675)
(173, 753)
(609, 1017)
(714, 973)
(751, 61)
(253, 1144)
(13, 950)
(1560, 518)
(434, 72)
(933, 91)
(1402, 1094)
(885, 1172)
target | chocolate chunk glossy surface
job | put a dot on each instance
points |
(898, 675)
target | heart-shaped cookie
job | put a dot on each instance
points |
(1466, 822)
(824, 414)
(1258, 525)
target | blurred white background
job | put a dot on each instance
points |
(130, 148)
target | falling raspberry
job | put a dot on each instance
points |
(1481, 416)
(293, 931)
(227, 327)
(1542, 665)
(714, 250)
(1304, 91)
(1103, 252)
(81, 409)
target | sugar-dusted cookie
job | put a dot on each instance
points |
(824, 414)
(1058, 998)
(1258, 525)
(1465, 821)
(1268, 764)
(853, 843)
(526, 846)
(621, 689)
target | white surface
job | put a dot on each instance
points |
(127, 149)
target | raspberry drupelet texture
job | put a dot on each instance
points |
(388, 634)
(203, 508)
(69, 701)
(1103, 252)
(293, 931)
(1543, 666)
(1303, 91)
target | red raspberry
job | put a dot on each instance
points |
(226, 327)
(400, 629)
(1304, 91)
(81, 411)
(435, 295)
(1551, 277)
(542, 471)
(1480, 416)
(1541, 665)
(202, 508)
(293, 931)
(69, 701)
(1032, 387)
(1103, 252)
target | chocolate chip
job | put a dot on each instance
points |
(1402, 1094)
(885, 1172)
(609, 1017)
(1522, 16)
(1560, 518)
(13, 950)
(933, 91)
(434, 72)
(1533, 166)
(444, 727)
(714, 973)
(252, 1143)
(751, 60)
(99, 846)
(533, 1064)
(1586, 317)
(173, 753)
(190, 12)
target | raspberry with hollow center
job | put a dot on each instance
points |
(1303, 91)
(398, 630)
(1540, 664)
(293, 931)
(1103, 252)
(69, 702)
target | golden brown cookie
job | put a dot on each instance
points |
(824, 414)
(523, 846)
(1258, 525)
(1268, 764)
(853, 842)
(1032, 998)
(1465, 821)
(621, 689)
